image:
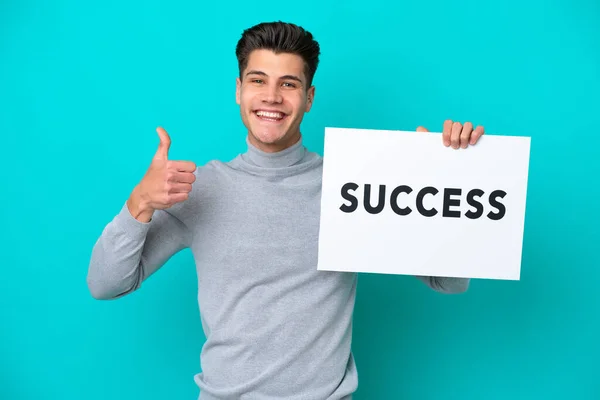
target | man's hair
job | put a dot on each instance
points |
(280, 37)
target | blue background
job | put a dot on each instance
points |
(84, 85)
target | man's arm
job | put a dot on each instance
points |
(128, 251)
(146, 232)
(446, 285)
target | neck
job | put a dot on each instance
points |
(282, 157)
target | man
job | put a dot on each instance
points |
(276, 328)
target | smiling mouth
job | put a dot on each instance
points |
(269, 116)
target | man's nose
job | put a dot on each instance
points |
(272, 95)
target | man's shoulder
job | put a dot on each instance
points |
(215, 172)
(214, 167)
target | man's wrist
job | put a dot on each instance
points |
(139, 207)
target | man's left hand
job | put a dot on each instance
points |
(458, 135)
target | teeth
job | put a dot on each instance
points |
(269, 114)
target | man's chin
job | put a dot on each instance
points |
(270, 137)
(272, 141)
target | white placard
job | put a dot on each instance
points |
(477, 194)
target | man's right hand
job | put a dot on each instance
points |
(165, 183)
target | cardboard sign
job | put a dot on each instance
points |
(400, 202)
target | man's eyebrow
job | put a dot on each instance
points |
(261, 73)
(255, 72)
(292, 77)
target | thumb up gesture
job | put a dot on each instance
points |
(165, 183)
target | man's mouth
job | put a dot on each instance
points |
(269, 116)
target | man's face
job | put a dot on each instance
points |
(273, 99)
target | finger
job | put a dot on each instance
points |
(477, 133)
(183, 166)
(178, 197)
(422, 129)
(163, 147)
(181, 177)
(446, 132)
(180, 188)
(455, 135)
(465, 134)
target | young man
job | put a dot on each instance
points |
(276, 327)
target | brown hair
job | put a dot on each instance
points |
(279, 37)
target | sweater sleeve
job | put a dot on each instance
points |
(128, 251)
(445, 284)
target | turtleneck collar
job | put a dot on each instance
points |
(281, 159)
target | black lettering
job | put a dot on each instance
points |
(347, 196)
(422, 210)
(474, 203)
(494, 203)
(448, 202)
(394, 200)
(367, 200)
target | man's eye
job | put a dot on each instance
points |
(257, 81)
(289, 84)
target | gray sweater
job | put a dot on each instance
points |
(276, 328)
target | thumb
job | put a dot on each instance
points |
(165, 143)
(421, 129)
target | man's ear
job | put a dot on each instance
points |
(238, 88)
(310, 96)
